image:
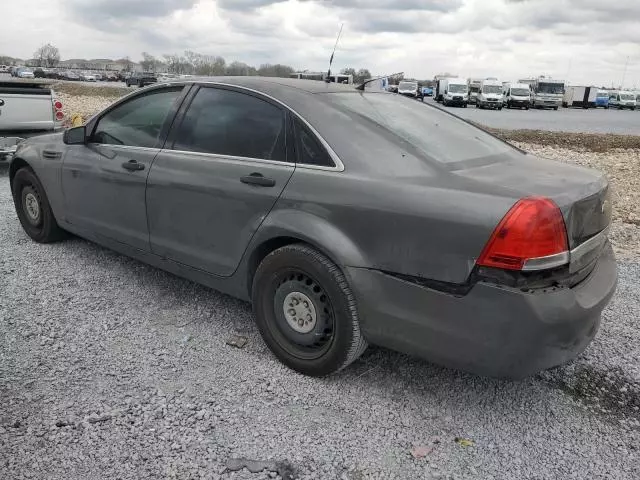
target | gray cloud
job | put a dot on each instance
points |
(116, 10)
(244, 5)
(399, 5)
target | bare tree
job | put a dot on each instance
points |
(47, 56)
(278, 70)
(148, 62)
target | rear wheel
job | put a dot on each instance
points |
(33, 209)
(306, 312)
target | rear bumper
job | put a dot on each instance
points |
(492, 330)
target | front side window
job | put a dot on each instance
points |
(226, 122)
(137, 122)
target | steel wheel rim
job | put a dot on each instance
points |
(315, 336)
(299, 312)
(31, 207)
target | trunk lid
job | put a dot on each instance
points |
(583, 195)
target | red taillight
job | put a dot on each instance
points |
(58, 105)
(533, 228)
(59, 115)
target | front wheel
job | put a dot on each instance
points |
(555, 108)
(306, 311)
(33, 209)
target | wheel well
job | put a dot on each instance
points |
(269, 246)
(16, 165)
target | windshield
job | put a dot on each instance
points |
(457, 88)
(603, 95)
(408, 86)
(627, 96)
(520, 92)
(492, 89)
(452, 139)
(555, 88)
(474, 88)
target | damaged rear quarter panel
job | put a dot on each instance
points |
(414, 225)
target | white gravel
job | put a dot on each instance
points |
(113, 369)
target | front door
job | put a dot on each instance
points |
(104, 181)
(226, 167)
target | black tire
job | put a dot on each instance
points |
(555, 108)
(37, 220)
(335, 339)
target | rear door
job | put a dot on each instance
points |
(225, 164)
(104, 180)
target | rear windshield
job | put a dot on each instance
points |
(439, 135)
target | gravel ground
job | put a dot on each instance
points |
(113, 369)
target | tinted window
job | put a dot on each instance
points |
(225, 122)
(137, 122)
(450, 139)
(310, 150)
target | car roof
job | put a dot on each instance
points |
(268, 83)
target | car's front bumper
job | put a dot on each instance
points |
(492, 330)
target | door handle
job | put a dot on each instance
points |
(258, 179)
(133, 166)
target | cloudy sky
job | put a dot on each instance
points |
(583, 41)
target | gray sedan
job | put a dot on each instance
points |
(329, 209)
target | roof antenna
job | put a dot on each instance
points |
(328, 79)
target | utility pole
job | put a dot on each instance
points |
(624, 73)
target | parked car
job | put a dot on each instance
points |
(427, 92)
(602, 99)
(39, 72)
(24, 73)
(4, 69)
(71, 75)
(342, 222)
(141, 79)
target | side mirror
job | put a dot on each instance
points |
(75, 136)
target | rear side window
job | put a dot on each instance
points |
(310, 151)
(226, 122)
(138, 121)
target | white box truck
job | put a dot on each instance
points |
(454, 92)
(580, 97)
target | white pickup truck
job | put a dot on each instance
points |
(26, 109)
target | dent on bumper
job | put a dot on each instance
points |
(492, 330)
